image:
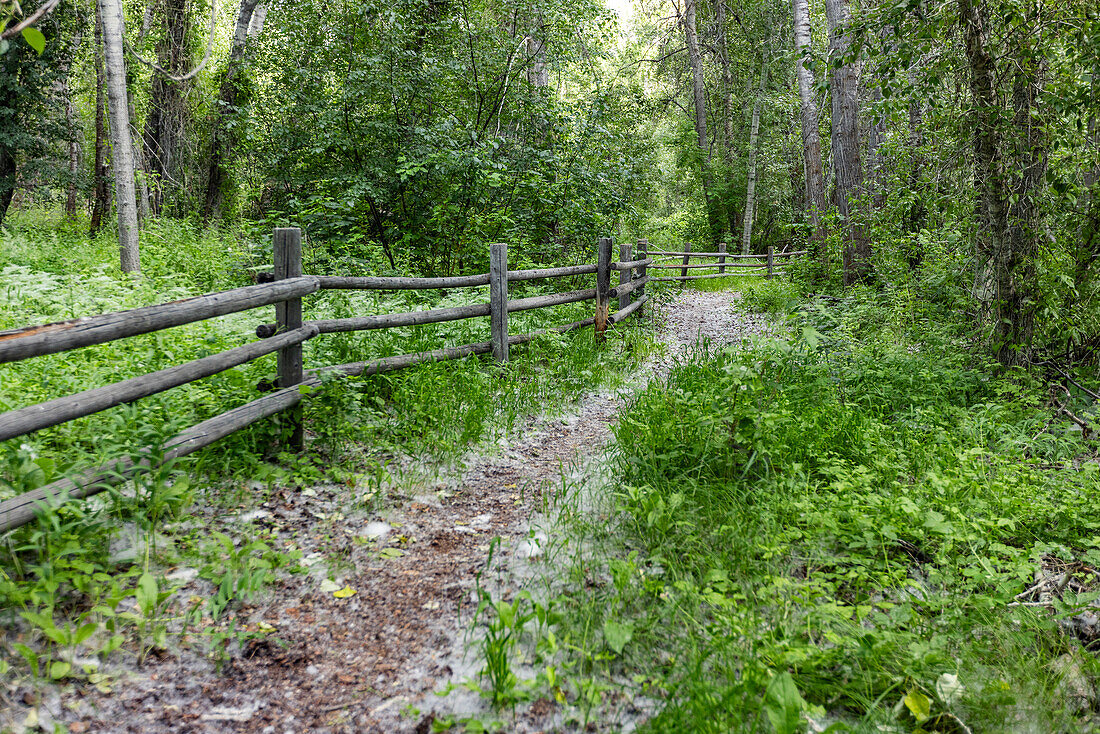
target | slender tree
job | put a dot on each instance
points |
(1009, 165)
(811, 140)
(122, 156)
(165, 126)
(101, 192)
(844, 93)
(699, 108)
(222, 138)
(754, 151)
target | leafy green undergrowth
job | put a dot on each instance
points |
(836, 528)
(87, 577)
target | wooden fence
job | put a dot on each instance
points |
(765, 264)
(284, 289)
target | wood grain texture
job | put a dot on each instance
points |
(35, 341)
(51, 413)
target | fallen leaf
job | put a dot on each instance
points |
(345, 592)
(328, 586)
(266, 627)
(391, 553)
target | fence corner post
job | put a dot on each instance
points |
(687, 256)
(722, 259)
(288, 316)
(498, 300)
(642, 254)
(625, 276)
(603, 286)
(771, 261)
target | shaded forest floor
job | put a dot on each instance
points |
(383, 617)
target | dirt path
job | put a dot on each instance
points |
(363, 662)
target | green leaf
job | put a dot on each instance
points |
(918, 704)
(618, 634)
(84, 632)
(146, 593)
(28, 654)
(783, 704)
(59, 669)
(34, 37)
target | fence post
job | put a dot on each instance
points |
(288, 316)
(603, 286)
(625, 275)
(771, 261)
(687, 256)
(498, 300)
(643, 253)
(722, 259)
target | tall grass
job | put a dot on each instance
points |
(835, 527)
(60, 570)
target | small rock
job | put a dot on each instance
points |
(226, 713)
(182, 575)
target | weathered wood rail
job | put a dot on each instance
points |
(284, 288)
(765, 264)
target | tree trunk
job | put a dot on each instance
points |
(221, 142)
(844, 91)
(1009, 218)
(101, 202)
(72, 131)
(74, 150)
(538, 73)
(698, 93)
(750, 191)
(142, 173)
(1016, 279)
(916, 214)
(166, 123)
(811, 140)
(122, 154)
(725, 130)
(8, 172)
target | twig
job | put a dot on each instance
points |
(1028, 592)
(34, 17)
(1085, 427)
(202, 64)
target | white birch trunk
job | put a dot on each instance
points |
(811, 139)
(122, 154)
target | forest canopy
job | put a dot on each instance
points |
(950, 145)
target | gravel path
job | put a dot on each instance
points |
(364, 662)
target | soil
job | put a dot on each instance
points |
(372, 660)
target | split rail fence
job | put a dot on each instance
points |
(285, 289)
(751, 265)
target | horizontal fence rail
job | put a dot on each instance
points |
(727, 255)
(761, 265)
(284, 288)
(37, 341)
(61, 410)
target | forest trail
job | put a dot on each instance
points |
(364, 662)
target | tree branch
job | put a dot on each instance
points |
(34, 18)
(202, 64)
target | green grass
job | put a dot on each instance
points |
(57, 574)
(833, 527)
